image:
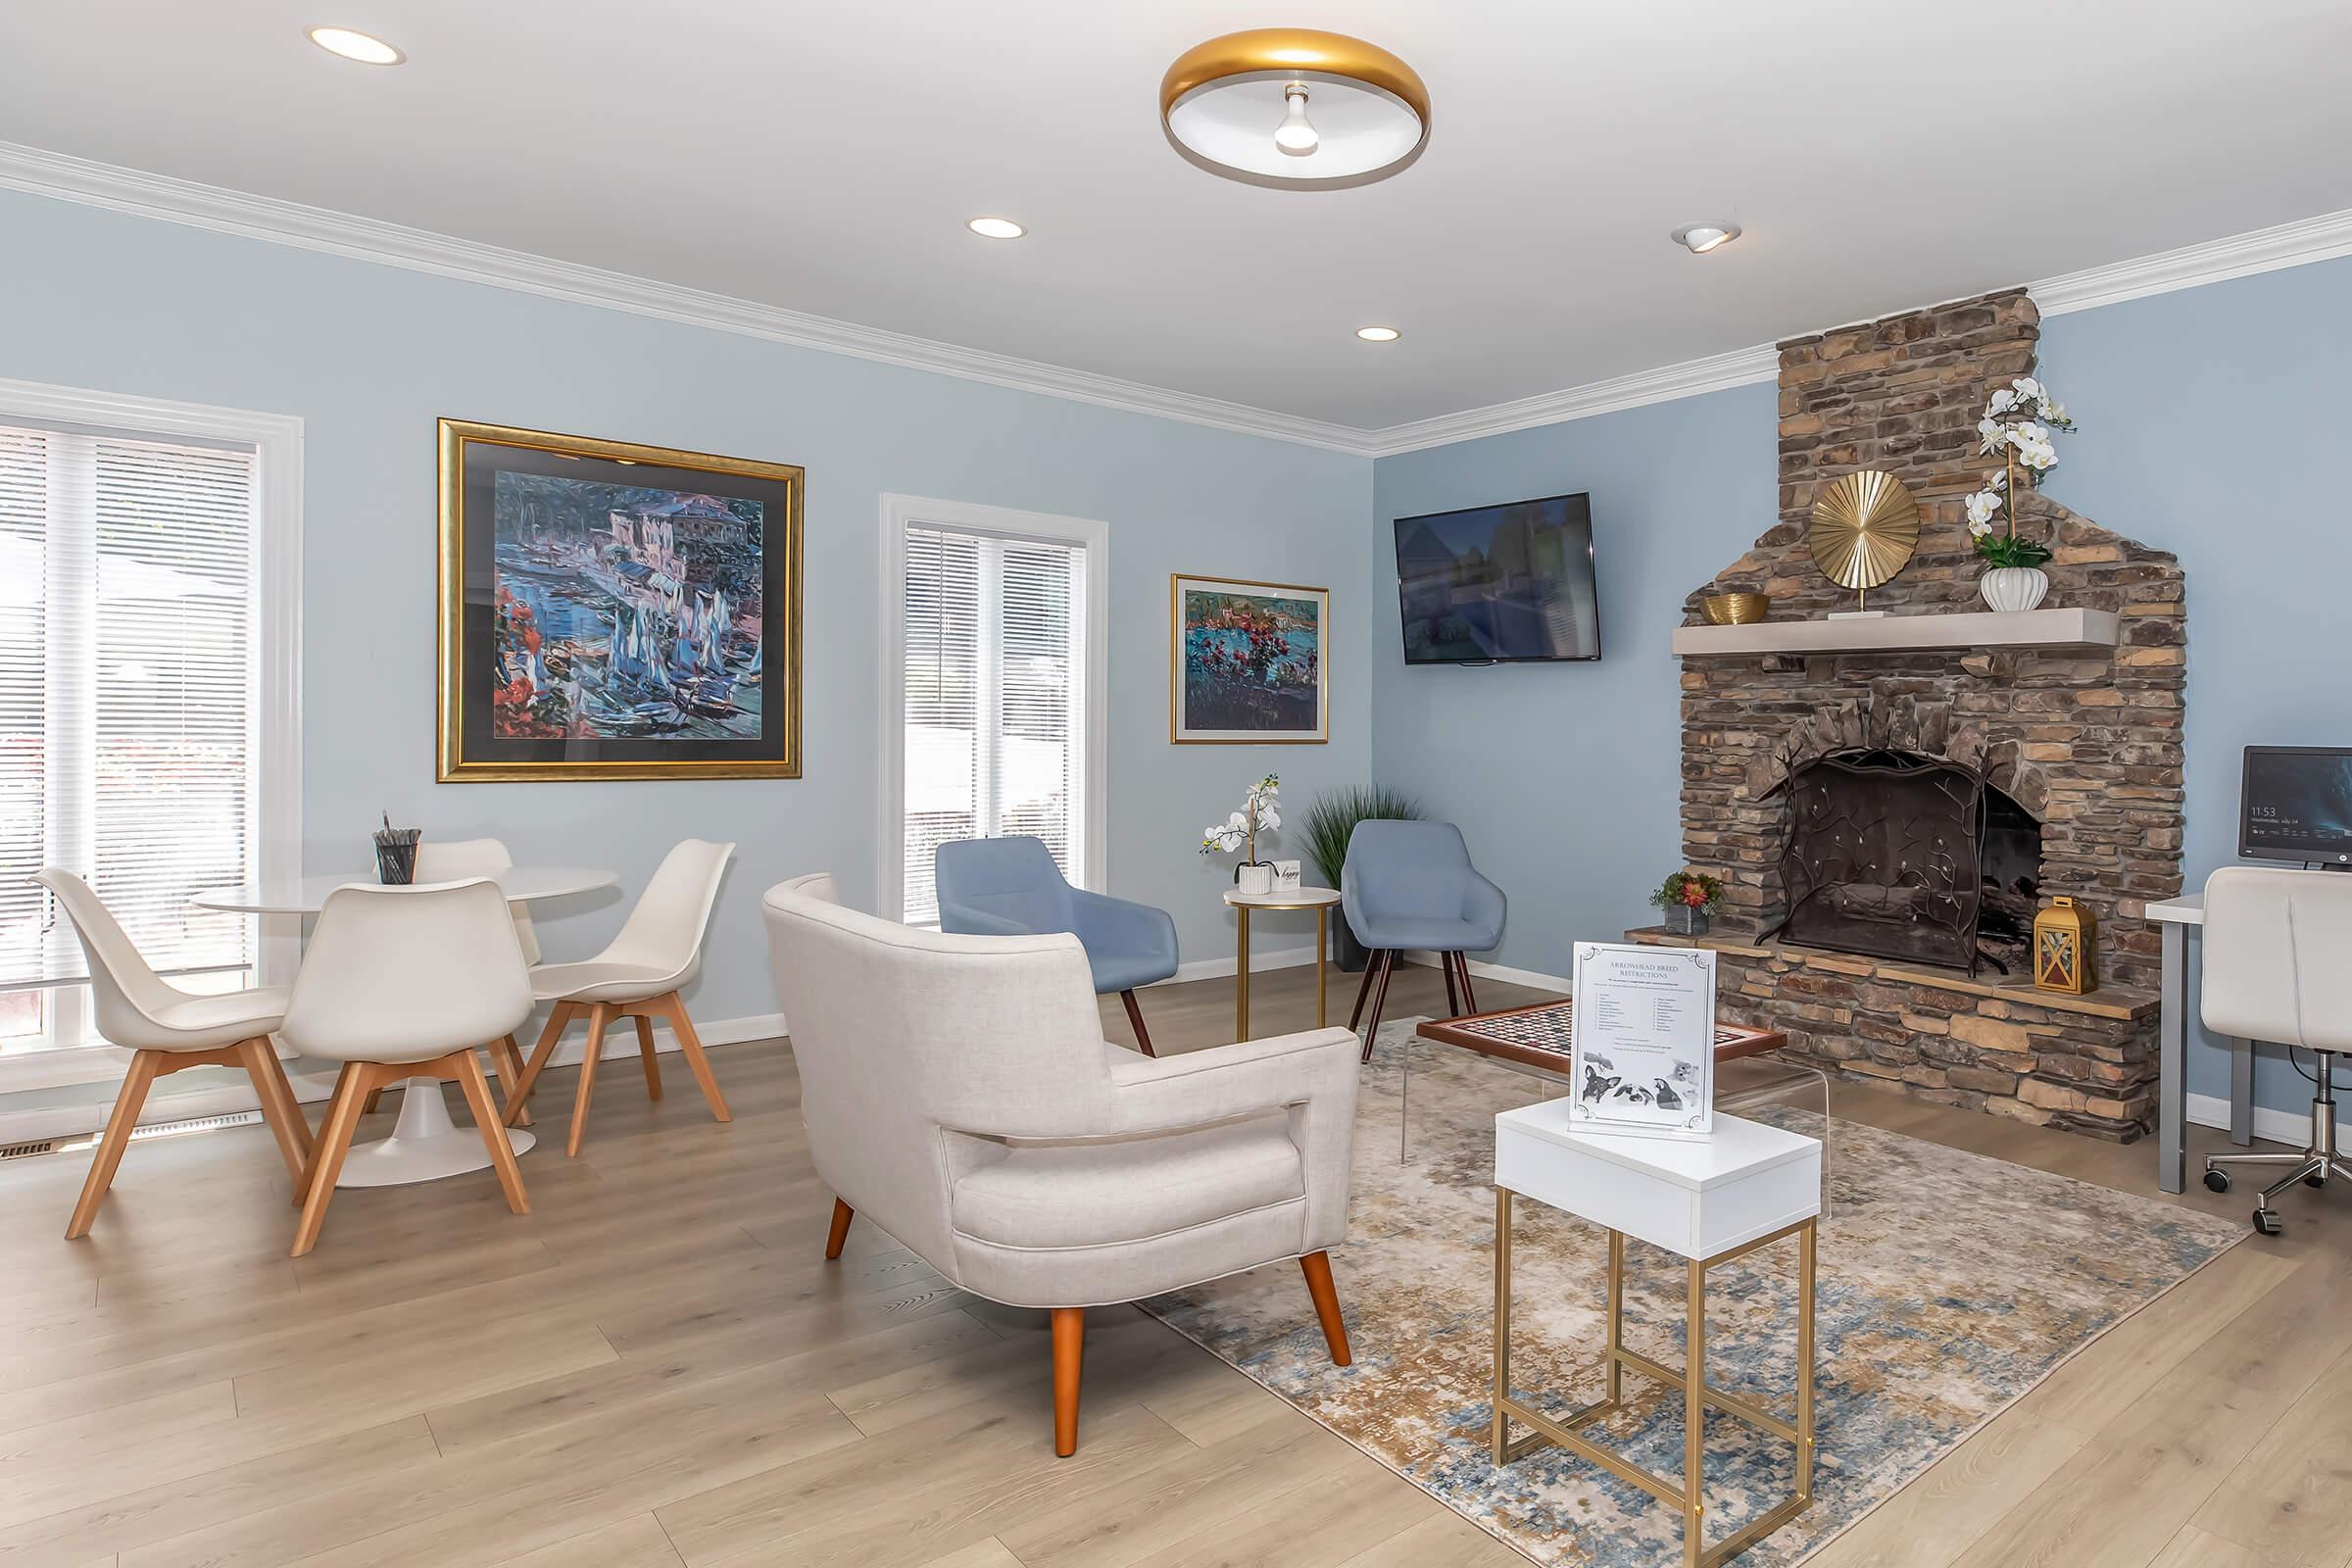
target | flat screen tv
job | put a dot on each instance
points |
(2296, 804)
(1493, 585)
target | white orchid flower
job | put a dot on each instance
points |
(1980, 508)
(2028, 388)
(1992, 433)
(2003, 402)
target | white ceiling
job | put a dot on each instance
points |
(823, 158)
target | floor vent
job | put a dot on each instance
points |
(44, 1145)
(195, 1124)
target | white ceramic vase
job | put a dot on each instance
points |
(2013, 588)
(1255, 879)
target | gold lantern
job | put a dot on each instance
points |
(2066, 940)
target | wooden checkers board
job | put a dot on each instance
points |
(1537, 1036)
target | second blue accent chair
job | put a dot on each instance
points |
(1412, 885)
(1011, 887)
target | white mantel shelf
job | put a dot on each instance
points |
(2060, 629)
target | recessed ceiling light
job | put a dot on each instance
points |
(1378, 334)
(358, 46)
(1700, 238)
(996, 228)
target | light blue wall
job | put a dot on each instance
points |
(1566, 778)
(369, 355)
(2212, 420)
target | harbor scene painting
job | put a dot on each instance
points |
(626, 611)
(1248, 665)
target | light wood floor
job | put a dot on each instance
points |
(657, 1368)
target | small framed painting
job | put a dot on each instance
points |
(611, 610)
(1248, 665)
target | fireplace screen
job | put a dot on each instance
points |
(1887, 856)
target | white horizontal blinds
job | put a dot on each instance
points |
(995, 662)
(127, 694)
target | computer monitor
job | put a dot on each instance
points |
(2296, 804)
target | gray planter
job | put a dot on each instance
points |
(1684, 922)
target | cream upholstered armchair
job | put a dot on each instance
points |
(958, 1094)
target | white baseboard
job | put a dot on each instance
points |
(1482, 970)
(315, 1082)
(1222, 968)
(2289, 1127)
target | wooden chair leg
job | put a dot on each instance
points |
(470, 1078)
(598, 1018)
(1135, 1016)
(645, 1049)
(690, 1044)
(1380, 999)
(119, 1127)
(507, 1055)
(375, 1098)
(1363, 989)
(1317, 1266)
(278, 1109)
(343, 1114)
(840, 1232)
(1453, 999)
(520, 1092)
(1461, 964)
(1069, 1353)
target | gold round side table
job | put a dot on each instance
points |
(1319, 900)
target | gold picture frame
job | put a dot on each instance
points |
(1228, 673)
(689, 683)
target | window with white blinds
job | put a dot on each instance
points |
(995, 674)
(129, 711)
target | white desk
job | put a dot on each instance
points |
(424, 1145)
(2179, 917)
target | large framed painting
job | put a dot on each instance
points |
(1247, 666)
(611, 610)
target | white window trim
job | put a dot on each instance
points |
(278, 622)
(899, 513)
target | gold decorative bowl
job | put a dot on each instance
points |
(1734, 610)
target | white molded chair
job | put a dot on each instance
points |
(2278, 966)
(406, 982)
(167, 1029)
(460, 861)
(638, 976)
(959, 1093)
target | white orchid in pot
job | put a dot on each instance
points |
(1260, 813)
(2018, 422)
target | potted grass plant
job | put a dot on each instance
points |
(1329, 824)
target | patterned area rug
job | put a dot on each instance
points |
(1949, 1285)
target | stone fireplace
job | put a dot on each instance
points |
(1885, 823)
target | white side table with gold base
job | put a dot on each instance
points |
(1319, 900)
(1751, 1186)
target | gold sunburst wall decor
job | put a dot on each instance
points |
(1865, 527)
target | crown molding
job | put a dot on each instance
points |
(130, 190)
(2262, 250)
(1691, 378)
(230, 211)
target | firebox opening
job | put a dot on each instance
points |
(1895, 855)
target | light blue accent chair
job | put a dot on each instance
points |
(1412, 885)
(1011, 887)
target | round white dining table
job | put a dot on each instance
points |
(424, 1145)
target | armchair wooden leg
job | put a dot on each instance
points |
(1363, 989)
(1317, 1268)
(470, 1078)
(115, 1138)
(690, 1044)
(598, 1018)
(507, 1056)
(331, 1144)
(1135, 1016)
(1453, 999)
(1380, 999)
(1461, 965)
(278, 1109)
(1069, 1350)
(520, 1092)
(375, 1098)
(840, 1232)
(645, 1050)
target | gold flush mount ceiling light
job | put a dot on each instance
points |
(1294, 107)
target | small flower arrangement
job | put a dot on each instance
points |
(1688, 890)
(1260, 813)
(2018, 422)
